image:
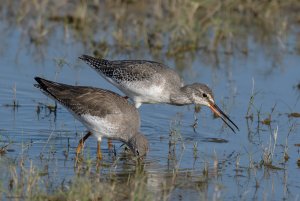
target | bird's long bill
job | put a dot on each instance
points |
(222, 115)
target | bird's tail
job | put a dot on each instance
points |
(43, 84)
(95, 62)
(48, 87)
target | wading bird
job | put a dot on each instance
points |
(152, 82)
(105, 114)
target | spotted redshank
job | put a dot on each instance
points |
(152, 82)
(104, 113)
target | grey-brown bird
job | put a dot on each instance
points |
(105, 114)
(152, 82)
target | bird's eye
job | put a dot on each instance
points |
(137, 152)
(204, 95)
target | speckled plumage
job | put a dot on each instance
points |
(152, 82)
(143, 81)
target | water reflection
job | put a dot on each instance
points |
(153, 180)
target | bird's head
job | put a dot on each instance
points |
(139, 145)
(201, 94)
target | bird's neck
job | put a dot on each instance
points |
(133, 140)
(183, 96)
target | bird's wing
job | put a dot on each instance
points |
(125, 70)
(82, 100)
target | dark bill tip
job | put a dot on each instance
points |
(223, 116)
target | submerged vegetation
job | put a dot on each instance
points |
(31, 183)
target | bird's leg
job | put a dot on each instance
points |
(99, 154)
(196, 111)
(109, 144)
(81, 143)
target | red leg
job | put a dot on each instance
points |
(99, 154)
(81, 143)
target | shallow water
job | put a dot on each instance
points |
(232, 161)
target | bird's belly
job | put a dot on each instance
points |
(143, 91)
(140, 92)
(100, 127)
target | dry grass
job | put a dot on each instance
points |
(173, 28)
(32, 183)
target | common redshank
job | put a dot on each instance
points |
(152, 82)
(104, 113)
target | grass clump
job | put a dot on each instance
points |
(93, 188)
(269, 152)
(31, 183)
(173, 28)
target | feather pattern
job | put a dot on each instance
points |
(104, 112)
(141, 80)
